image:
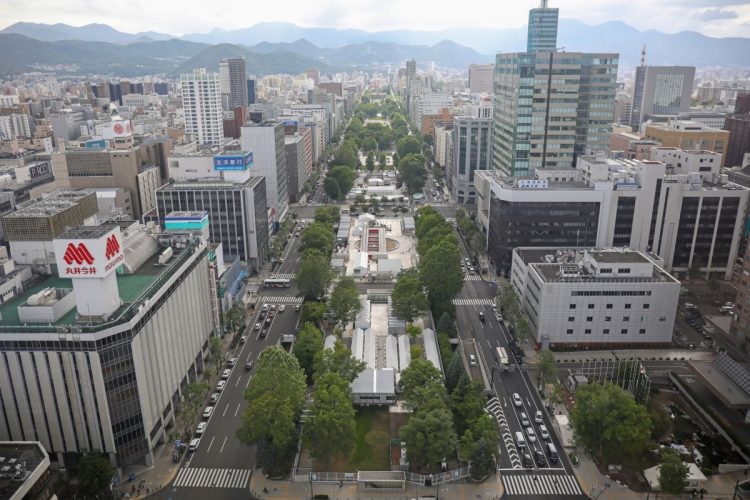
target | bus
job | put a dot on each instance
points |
(277, 283)
(502, 358)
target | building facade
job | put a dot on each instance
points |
(237, 82)
(201, 102)
(542, 30)
(296, 165)
(481, 78)
(472, 150)
(266, 141)
(687, 135)
(660, 90)
(738, 143)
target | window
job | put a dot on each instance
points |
(609, 306)
(572, 306)
(646, 306)
(570, 331)
(626, 318)
(591, 306)
(587, 331)
(589, 318)
(642, 331)
(605, 331)
(571, 318)
(623, 270)
(662, 318)
(627, 306)
(624, 331)
(605, 270)
(607, 318)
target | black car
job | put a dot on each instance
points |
(527, 462)
(539, 458)
(481, 316)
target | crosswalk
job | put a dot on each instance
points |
(473, 302)
(472, 277)
(282, 299)
(540, 484)
(198, 477)
(283, 276)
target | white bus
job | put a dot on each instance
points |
(277, 283)
(502, 358)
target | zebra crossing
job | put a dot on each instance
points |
(472, 277)
(283, 276)
(198, 477)
(473, 302)
(540, 484)
(282, 299)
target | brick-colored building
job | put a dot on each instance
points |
(689, 136)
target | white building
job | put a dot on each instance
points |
(14, 126)
(481, 78)
(443, 138)
(471, 151)
(201, 101)
(613, 297)
(266, 141)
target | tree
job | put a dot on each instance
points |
(607, 418)
(546, 370)
(332, 188)
(673, 473)
(275, 397)
(338, 360)
(429, 435)
(412, 172)
(446, 325)
(369, 143)
(381, 161)
(347, 155)
(312, 312)
(314, 275)
(438, 234)
(421, 383)
(441, 274)
(466, 403)
(454, 372)
(408, 145)
(482, 462)
(344, 301)
(215, 352)
(95, 474)
(370, 161)
(408, 298)
(328, 215)
(331, 428)
(345, 176)
(318, 236)
(193, 396)
(308, 344)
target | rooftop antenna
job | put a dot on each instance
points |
(643, 55)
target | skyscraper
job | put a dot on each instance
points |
(542, 35)
(201, 101)
(660, 90)
(250, 91)
(237, 82)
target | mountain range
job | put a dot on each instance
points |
(284, 47)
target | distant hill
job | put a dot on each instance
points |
(89, 32)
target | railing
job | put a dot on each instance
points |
(306, 475)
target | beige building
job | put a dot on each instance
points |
(688, 135)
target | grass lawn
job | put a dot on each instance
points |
(371, 439)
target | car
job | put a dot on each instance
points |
(273, 307)
(272, 313)
(214, 398)
(249, 366)
(194, 445)
(527, 462)
(282, 307)
(201, 428)
(258, 325)
(688, 305)
(543, 432)
(231, 362)
(538, 417)
(264, 308)
(208, 411)
(530, 434)
(297, 307)
(243, 339)
(472, 359)
(466, 259)
(524, 419)
(517, 400)
(225, 374)
(726, 309)
(539, 458)
(481, 316)
(269, 319)
(728, 304)
(264, 332)
(220, 385)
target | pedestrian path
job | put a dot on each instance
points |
(525, 484)
(198, 477)
(473, 302)
(472, 277)
(282, 276)
(282, 299)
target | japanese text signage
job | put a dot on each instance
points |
(241, 161)
(89, 257)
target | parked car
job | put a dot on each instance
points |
(243, 339)
(194, 445)
(472, 359)
(232, 362)
(220, 385)
(214, 398)
(208, 411)
(225, 374)
(201, 428)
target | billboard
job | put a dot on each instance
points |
(89, 257)
(242, 160)
(118, 128)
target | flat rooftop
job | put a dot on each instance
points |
(52, 205)
(567, 255)
(18, 459)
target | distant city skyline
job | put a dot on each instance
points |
(720, 18)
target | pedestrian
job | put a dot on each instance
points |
(265, 490)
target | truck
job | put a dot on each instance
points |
(502, 358)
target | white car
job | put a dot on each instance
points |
(517, 400)
(544, 432)
(214, 398)
(225, 374)
(530, 435)
(232, 362)
(208, 411)
(538, 417)
(243, 339)
(201, 428)
(258, 325)
(282, 307)
(194, 445)
(524, 419)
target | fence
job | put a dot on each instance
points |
(306, 475)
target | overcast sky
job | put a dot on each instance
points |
(710, 17)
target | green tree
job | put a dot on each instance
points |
(215, 353)
(673, 473)
(328, 215)
(369, 144)
(347, 155)
(318, 236)
(607, 419)
(338, 360)
(429, 435)
(275, 397)
(308, 344)
(408, 145)
(370, 161)
(332, 189)
(466, 403)
(312, 312)
(438, 234)
(95, 473)
(408, 298)
(482, 462)
(412, 172)
(344, 301)
(314, 275)
(344, 176)
(446, 351)
(421, 383)
(331, 429)
(446, 325)
(442, 275)
(193, 396)
(454, 372)
(381, 161)
(546, 369)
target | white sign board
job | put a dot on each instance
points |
(118, 128)
(89, 258)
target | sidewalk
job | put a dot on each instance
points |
(490, 489)
(150, 479)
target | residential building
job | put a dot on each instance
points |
(681, 212)
(201, 101)
(124, 334)
(237, 211)
(266, 141)
(603, 298)
(14, 126)
(481, 78)
(542, 30)
(472, 150)
(541, 126)
(687, 135)
(660, 90)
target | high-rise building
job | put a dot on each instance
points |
(250, 91)
(296, 170)
(542, 34)
(472, 150)
(481, 78)
(738, 145)
(550, 107)
(660, 90)
(266, 141)
(201, 101)
(237, 81)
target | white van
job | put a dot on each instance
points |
(520, 440)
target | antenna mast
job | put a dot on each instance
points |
(643, 55)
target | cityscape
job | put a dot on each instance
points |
(375, 259)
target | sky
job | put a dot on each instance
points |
(710, 17)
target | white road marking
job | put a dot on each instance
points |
(222, 444)
(237, 410)
(210, 444)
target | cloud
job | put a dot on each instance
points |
(716, 14)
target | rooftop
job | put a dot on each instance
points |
(52, 205)
(208, 183)
(19, 461)
(375, 381)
